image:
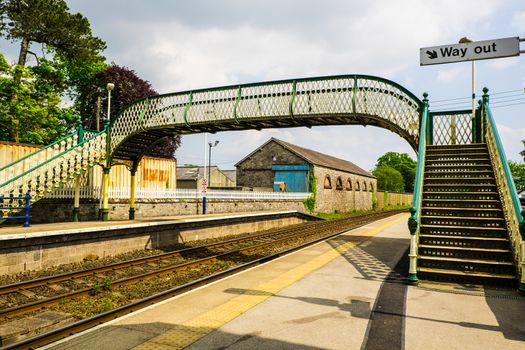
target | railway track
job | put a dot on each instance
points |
(241, 252)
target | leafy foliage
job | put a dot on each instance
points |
(517, 170)
(35, 116)
(403, 164)
(48, 22)
(389, 179)
(309, 203)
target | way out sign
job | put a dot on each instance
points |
(477, 50)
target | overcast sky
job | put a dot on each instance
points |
(182, 45)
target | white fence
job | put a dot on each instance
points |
(123, 193)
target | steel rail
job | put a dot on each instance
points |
(299, 232)
(44, 281)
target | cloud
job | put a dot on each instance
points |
(451, 74)
(518, 21)
(511, 138)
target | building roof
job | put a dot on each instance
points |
(317, 158)
(230, 174)
(194, 172)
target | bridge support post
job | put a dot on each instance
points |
(104, 211)
(412, 226)
(132, 194)
(76, 205)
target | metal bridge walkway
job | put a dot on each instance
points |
(335, 100)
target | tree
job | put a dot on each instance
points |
(128, 88)
(403, 164)
(388, 179)
(48, 22)
(517, 170)
(36, 115)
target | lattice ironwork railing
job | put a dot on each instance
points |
(68, 162)
(451, 128)
(30, 161)
(338, 95)
(506, 187)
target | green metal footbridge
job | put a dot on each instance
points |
(464, 193)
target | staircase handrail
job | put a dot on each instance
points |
(513, 212)
(418, 184)
(32, 154)
(415, 209)
(505, 165)
(54, 157)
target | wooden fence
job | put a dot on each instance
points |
(152, 173)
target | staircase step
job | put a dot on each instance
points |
(465, 252)
(472, 173)
(459, 180)
(457, 161)
(455, 231)
(462, 212)
(467, 265)
(468, 155)
(464, 241)
(458, 167)
(466, 277)
(467, 147)
(466, 204)
(460, 221)
(458, 196)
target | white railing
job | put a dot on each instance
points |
(123, 193)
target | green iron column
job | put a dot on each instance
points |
(76, 205)
(104, 211)
(133, 172)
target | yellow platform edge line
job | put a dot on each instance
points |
(192, 330)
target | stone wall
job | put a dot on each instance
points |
(256, 171)
(354, 192)
(36, 252)
(60, 210)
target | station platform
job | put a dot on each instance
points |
(345, 293)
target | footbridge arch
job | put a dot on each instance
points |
(331, 100)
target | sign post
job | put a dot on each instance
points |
(470, 51)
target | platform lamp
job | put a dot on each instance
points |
(210, 144)
(466, 40)
(104, 212)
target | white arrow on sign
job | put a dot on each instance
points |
(476, 50)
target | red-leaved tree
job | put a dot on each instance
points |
(128, 88)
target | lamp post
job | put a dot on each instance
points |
(210, 144)
(104, 211)
(466, 40)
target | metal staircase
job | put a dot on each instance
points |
(463, 235)
(43, 171)
(466, 222)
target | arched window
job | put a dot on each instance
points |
(327, 182)
(357, 186)
(364, 185)
(349, 185)
(371, 188)
(339, 184)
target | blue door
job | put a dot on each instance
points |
(290, 178)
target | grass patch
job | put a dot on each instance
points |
(341, 215)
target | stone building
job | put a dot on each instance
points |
(277, 165)
(190, 177)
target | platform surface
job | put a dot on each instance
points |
(347, 293)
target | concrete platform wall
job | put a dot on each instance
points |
(47, 249)
(54, 210)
